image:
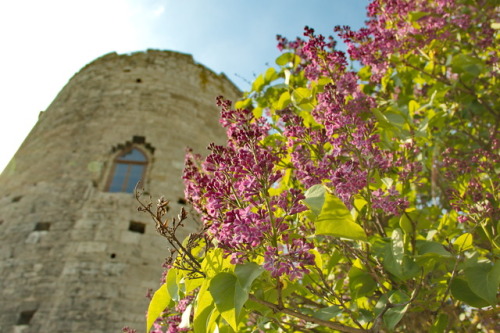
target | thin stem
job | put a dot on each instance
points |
(325, 323)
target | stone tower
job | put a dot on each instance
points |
(75, 255)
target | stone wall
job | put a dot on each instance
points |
(68, 261)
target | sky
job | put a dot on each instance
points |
(44, 43)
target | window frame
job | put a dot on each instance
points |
(129, 163)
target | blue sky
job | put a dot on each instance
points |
(45, 42)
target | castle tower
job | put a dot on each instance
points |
(75, 255)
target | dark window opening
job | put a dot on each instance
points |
(138, 139)
(42, 226)
(137, 227)
(112, 256)
(128, 170)
(25, 317)
(182, 201)
(138, 80)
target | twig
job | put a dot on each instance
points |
(325, 323)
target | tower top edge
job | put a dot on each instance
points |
(150, 56)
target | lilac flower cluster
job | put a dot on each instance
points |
(290, 259)
(402, 26)
(343, 150)
(230, 189)
(390, 202)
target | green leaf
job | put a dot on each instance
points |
(257, 112)
(415, 16)
(358, 204)
(204, 307)
(430, 247)
(405, 224)
(271, 75)
(171, 282)
(360, 282)
(365, 73)
(161, 299)
(229, 297)
(382, 119)
(192, 284)
(247, 273)
(394, 315)
(327, 313)
(243, 104)
(301, 95)
(395, 119)
(258, 84)
(308, 119)
(460, 290)
(396, 261)
(287, 58)
(463, 242)
(336, 220)
(462, 63)
(212, 326)
(413, 106)
(283, 101)
(315, 198)
(440, 324)
(483, 280)
(397, 246)
(215, 262)
(317, 258)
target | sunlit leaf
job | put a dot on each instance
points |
(287, 58)
(204, 307)
(463, 242)
(230, 291)
(270, 75)
(336, 220)
(315, 198)
(300, 95)
(283, 101)
(258, 84)
(171, 282)
(161, 299)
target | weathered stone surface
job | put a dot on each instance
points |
(67, 256)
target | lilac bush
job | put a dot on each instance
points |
(351, 198)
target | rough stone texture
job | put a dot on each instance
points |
(66, 252)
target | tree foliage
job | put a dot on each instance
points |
(357, 192)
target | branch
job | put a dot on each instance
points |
(325, 323)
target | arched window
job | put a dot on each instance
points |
(128, 170)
